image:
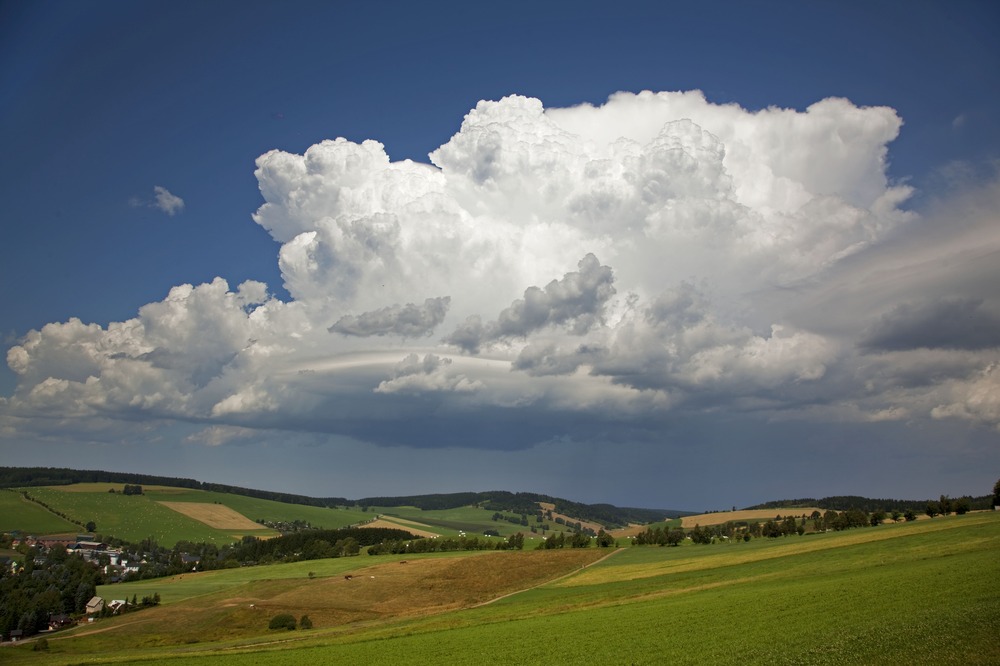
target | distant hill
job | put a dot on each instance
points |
(527, 503)
(608, 515)
(867, 504)
(22, 477)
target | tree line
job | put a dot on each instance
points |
(847, 502)
(607, 515)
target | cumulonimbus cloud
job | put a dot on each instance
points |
(713, 225)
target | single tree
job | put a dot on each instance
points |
(305, 622)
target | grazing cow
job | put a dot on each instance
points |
(348, 577)
(403, 562)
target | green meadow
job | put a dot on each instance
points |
(129, 517)
(17, 513)
(926, 592)
(136, 517)
(468, 519)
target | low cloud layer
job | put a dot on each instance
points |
(591, 271)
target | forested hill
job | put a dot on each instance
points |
(867, 504)
(20, 477)
(527, 503)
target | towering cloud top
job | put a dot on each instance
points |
(645, 256)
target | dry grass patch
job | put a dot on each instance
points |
(424, 586)
(377, 593)
(217, 516)
(721, 517)
(401, 524)
(548, 506)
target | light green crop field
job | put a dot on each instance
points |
(16, 513)
(916, 593)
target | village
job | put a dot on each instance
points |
(60, 576)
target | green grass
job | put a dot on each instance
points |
(920, 593)
(136, 517)
(468, 519)
(16, 513)
(188, 586)
(129, 517)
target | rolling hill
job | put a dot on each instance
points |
(861, 596)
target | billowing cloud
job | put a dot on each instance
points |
(564, 273)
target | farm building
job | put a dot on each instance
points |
(95, 605)
(60, 621)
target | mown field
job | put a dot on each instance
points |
(136, 517)
(926, 592)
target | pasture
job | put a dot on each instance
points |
(130, 517)
(468, 519)
(922, 592)
(164, 513)
(17, 513)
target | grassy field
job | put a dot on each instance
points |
(926, 592)
(132, 517)
(136, 517)
(468, 519)
(16, 513)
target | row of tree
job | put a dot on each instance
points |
(869, 505)
(450, 544)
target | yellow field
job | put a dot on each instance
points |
(548, 506)
(401, 524)
(721, 517)
(216, 516)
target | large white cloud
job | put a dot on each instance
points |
(655, 254)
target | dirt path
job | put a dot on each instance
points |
(548, 582)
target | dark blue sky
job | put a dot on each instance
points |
(100, 102)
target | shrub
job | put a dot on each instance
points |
(282, 621)
(305, 622)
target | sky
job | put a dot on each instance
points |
(667, 255)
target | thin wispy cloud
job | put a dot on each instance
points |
(163, 200)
